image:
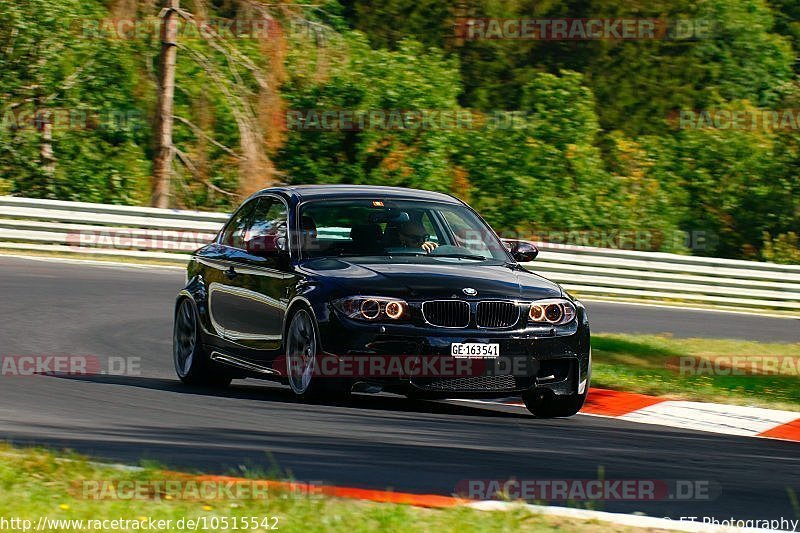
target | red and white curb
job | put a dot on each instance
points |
(700, 416)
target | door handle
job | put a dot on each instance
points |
(231, 273)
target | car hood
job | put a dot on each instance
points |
(429, 277)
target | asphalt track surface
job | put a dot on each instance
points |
(381, 441)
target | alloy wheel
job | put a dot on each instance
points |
(301, 352)
(184, 338)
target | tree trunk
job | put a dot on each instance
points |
(162, 165)
(44, 121)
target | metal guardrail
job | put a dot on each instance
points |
(169, 235)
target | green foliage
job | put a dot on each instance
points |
(733, 54)
(728, 185)
(785, 248)
(548, 135)
(743, 59)
(736, 184)
(546, 173)
(389, 22)
(518, 172)
(85, 85)
(382, 82)
(787, 20)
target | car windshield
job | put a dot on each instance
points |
(374, 227)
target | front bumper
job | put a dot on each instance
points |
(415, 359)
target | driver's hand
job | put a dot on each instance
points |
(429, 246)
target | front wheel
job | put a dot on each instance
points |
(302, 350)
(547, 405)
(189, 355)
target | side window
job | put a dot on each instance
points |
(270, 218)
(233, 235)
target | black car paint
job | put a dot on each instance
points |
(254, 296)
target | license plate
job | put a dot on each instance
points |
(475, 350)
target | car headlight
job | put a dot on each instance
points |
(373, 308)
(556, 311)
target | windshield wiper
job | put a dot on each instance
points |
(461, 256)
(356, 254)
(409, 254)
(382, 254)
(417, 254)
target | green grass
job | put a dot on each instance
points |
(36, 483)
(641, 363)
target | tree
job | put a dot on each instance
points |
(380, 85)
(162, 163)
(61, 85)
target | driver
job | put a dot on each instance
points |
(413, 235)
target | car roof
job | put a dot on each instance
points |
(312, 192)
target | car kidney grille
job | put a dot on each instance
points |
(497, 314)
(469, 384)
(446, 313)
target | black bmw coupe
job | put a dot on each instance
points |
(332, 289)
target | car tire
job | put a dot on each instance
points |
(302, 348)
(189, 353)
(544, 404)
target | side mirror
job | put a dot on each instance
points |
(522, 251)
(267, 245)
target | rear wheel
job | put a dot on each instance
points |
(189, 354)
(544, 404)
(302, 349)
